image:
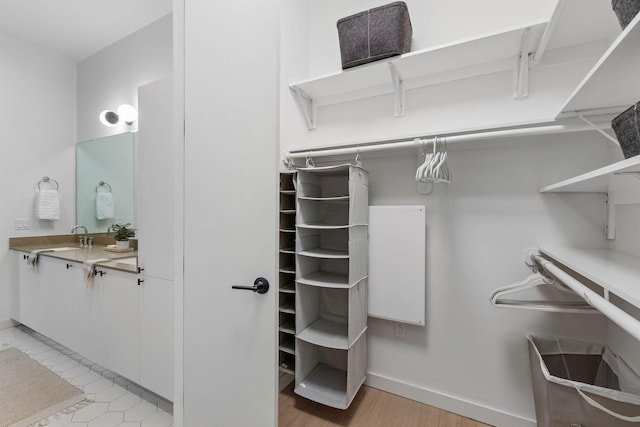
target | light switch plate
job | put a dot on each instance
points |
(23, 223)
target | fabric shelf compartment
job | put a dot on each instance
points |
(330, 376)
(334, 271)
(331, 317)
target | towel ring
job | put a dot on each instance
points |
(48, 181)
(103, 184)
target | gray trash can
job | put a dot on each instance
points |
(581, 384)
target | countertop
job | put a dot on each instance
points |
(79, 255)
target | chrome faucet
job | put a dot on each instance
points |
(84, 240)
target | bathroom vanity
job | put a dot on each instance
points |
(115, 318)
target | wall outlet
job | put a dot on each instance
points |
(400, 331)
(23, 224)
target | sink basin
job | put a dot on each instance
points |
(64, 248)
(60, 249)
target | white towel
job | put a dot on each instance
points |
(88, 267)
(34, 256)
(104, 205)
(48, 204)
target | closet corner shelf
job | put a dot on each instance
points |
(614, 271)
(611, 81)
(596, 181)
(474, 56)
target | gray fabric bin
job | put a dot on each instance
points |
(584, 384)
(374, 34)
(625, 10)
(625, 125)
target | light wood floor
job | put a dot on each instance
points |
(370, 408)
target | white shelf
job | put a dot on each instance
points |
(325, 253)
(325, 199)
(616, 272)
(291, 309)
(327, 334)
(596, 181)
(288, 327)
(613, 81)
(422, 67)
(288, 269)
(319, 226)
(325, 280)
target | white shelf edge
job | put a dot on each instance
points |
(426, 51)
(633, 26)
(324, 254)
(614, 271)
(325, 199)
(598, 178)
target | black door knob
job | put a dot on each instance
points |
(260, 285)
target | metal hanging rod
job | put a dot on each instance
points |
(615, 314)
(415, 142)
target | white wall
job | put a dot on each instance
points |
(38, 134)
(111, 77)
(470, 358)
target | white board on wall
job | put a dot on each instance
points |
(397, 247)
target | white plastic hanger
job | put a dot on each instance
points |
(532, 281)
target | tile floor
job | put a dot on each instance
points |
(115, 401)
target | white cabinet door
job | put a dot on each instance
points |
(30, 305)
(56, 293)
(120, 322)
(155, 179)
(14, 286)
(88, 299)
(156, 336)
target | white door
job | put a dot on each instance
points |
(229, 213)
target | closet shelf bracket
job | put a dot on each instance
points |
(398, 88)
(625, 193)
(521, 86)
(307, 106)
(609, 218)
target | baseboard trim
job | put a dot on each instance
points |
(492, 416)
(8, 323)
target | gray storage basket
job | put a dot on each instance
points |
(627, 129)
(625, 10)
(374, 34)
(577, 384)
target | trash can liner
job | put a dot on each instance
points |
(567, 373)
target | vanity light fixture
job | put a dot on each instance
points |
(126, 112)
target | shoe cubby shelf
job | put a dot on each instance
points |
(286, 279)
(332, 213)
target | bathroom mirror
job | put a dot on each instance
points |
(110, 161)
